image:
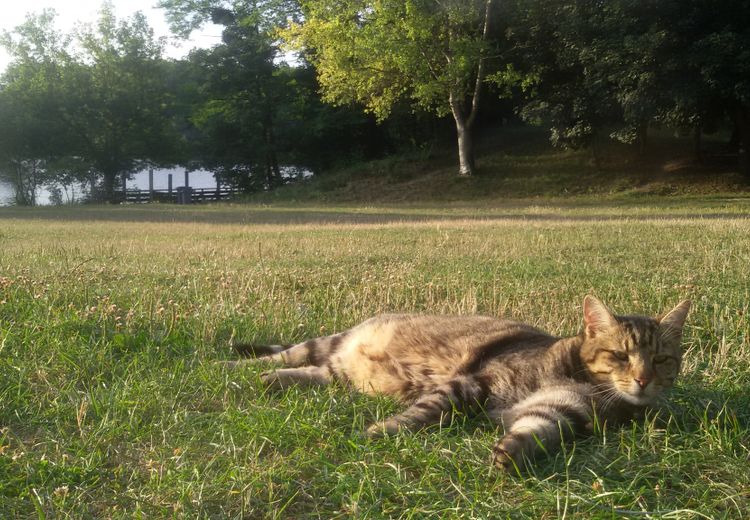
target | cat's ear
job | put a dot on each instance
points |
(675, 318)
(596, 317)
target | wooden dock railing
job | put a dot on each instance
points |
(180, 195)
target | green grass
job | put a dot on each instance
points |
(111, 320)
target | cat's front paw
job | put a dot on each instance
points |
(272, 380)
(506, 454)
(382, 428)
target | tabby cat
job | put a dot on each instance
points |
(541, 388)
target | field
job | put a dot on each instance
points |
(111, 320)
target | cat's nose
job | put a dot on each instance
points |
(642, 381)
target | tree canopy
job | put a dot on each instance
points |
(377, 52)
(103, 102)
(32, 139)
(99, 105)
(611, 70)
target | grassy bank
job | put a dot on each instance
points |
(111, 319)
(518, 162)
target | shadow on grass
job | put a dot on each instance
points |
(696, 406)
(586, 211)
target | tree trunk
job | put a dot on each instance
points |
(108, 185)
(273, 171)
(273, 159)
(25, 182)
(697, 142)
(465, 142)
(734, 140)
(271, 181)
(642, 132)
(465, 122)
(466, 166)
(743, 125)
(19, 186)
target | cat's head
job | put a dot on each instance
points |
(635, 356)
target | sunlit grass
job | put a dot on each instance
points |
(111, 319)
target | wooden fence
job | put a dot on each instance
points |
(179, 195)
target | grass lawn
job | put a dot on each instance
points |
(111, 320)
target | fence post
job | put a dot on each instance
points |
(151, 185)
(169, 181)
(124, 188)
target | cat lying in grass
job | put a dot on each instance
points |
(543, 389)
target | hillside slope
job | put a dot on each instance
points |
(519, 163)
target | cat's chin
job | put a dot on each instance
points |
(638, 400)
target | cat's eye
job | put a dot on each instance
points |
(660, 359)
(621, 355)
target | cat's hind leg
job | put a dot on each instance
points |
(302, 376)
(433, 407)
(540, 423)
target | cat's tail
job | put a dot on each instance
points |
(316, 352)
(250, 350)
(252, 353)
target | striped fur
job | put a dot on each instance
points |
(544, 390)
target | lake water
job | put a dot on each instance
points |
(197, 179)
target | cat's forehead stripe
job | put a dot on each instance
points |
(630, 338)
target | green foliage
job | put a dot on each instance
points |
(32, 138)
(117, 99)
(613, 69)
(241, 94)
(98, 111)
(187, 15)
(375, 53)
(95, 106)
(252, 116)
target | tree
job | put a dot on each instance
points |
(116, 102)
(256, 117)
(31, 137)
(101, 111)
(238, 115)
(720, 55)
(23, 146)
(239, 91)
(377, 52)
(616, 67)
(266, 15)
(588, 81)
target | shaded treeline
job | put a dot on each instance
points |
(308, 85)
